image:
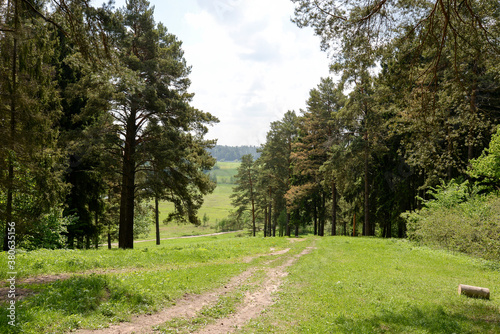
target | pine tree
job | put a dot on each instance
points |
(152, 106)
(244, 193)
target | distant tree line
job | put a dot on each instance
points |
(233, 153)
(417, 101)
(96, 122)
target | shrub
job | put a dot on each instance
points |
(458, 219)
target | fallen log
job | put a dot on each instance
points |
(473, 291)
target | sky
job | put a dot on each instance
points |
(250, 63)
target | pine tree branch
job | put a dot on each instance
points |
(44, 17)
(328, 13)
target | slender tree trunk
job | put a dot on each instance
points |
(96, 237)
(334, 209)
(109, 240)
(297, 225)
(287, 232)
(270, 212)
(265, 221)
(367, 230)
(450, 153)
(253, 216)
(354, 225)
(388, 224)
(253, 202)
(126, 232)
(315, 213)
(13, 106)
(157, 220)
(473, 110)
(322, 218)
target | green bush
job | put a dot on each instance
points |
(458, 219)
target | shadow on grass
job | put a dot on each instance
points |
(478, 318)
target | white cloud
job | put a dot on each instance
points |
(250, 63)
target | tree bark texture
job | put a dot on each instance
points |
(157, 221)
(13, 106)
(334, 209)
(126, 232)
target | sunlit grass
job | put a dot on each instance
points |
(127, 282)
(351, 285)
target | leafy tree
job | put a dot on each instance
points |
(487, 166)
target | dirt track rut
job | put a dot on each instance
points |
(188, 307)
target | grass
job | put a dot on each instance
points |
(358, 285)
(127, 281)
(225, 170)
(345, 285)
(146, 255)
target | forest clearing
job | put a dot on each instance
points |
(250, 166)
(241, 284)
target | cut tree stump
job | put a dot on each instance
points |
(473, 291)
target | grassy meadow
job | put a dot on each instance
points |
(367, 285)
(216, 206)
(345, 285)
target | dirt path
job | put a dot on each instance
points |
(255, 302)
(188, 307)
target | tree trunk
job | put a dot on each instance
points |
(13, 106)
(334, 209)
(322, 217)
(315, 213)
(270, 212)
(265, 221)
(96, 236)
(126, 232)
(109, 240)
(157, 221)
(367, 230)
(287, 233)
(472, 110)
(273, 219)
(354, 225)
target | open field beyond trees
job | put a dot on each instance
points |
(216, 206)
(310, 284)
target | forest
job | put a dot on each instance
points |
(98, 125)
(361, 212)
(400, 145)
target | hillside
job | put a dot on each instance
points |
(257, 285)
(233, 153)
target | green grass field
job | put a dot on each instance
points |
(345, 285)
(216, 206)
